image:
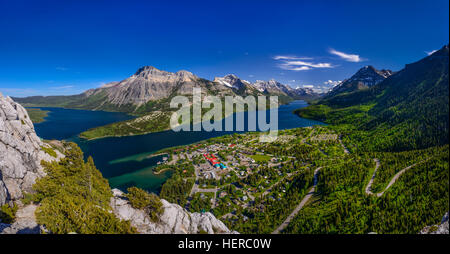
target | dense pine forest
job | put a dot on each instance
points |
(404, 123)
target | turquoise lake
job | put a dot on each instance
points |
(124, 160)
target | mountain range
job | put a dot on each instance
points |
(151, 89)
(147, 95)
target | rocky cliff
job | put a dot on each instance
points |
(20, 152)
(174, 220)
(437, 229)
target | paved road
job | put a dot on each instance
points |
(393, 180)
(369, 185)
(300, 206)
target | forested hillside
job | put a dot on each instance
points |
(408, 110)
(401, 125)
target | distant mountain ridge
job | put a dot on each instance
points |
(149, 87)
(271, 87)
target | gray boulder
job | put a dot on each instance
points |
(174, 220)
(437, 229)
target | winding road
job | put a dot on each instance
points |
(300, 206)
(393, 180)
(369, 185)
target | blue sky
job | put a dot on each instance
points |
(65, 47)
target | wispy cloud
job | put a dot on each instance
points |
(347, 57)
(294, 63)
(59, 68)
(293, 68)
(430, 52)
(309, 64)
(280, 57)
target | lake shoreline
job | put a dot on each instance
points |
(129, 172)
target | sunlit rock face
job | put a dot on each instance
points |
(20, 151)
(174, 220)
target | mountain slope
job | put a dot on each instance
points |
(408, 110)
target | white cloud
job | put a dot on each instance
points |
(346, 57)
(292, 63)
(280, 57)
(309, 64)
(59, 68)
(430, 52)
(308, 86)
(302, 65)
(293, 68)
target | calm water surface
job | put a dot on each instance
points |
(124, 160)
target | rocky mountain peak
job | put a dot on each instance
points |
(144, 69)
(232, 81)
(273, 86)
(151, 73)
(370, 76)
(441, 52)
(231, 76)
(185, 74)
(365, 77)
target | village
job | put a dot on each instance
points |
(237, 173)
